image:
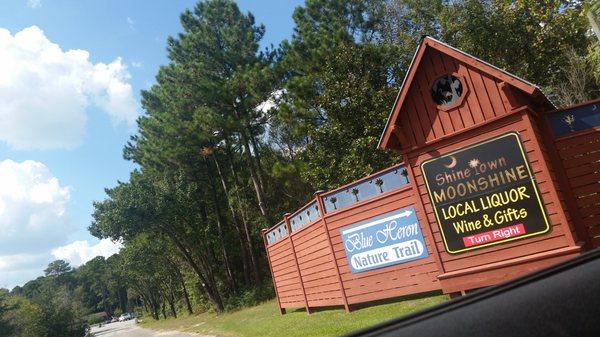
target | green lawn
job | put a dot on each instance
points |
(264, 320)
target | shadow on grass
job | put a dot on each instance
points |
(360, 306)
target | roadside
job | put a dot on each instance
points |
(130, 329)
(265, 321)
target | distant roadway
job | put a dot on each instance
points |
(130, 329)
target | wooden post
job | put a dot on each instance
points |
(421, 208)
(337, 267)
(263, 234)
(289, 230)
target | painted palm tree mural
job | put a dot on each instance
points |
(355, 193)
(362, 190)
(333, 200)
(379, 183)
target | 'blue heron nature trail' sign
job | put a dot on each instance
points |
(385, 240)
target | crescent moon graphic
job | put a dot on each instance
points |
(452, 162)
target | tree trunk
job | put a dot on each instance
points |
(149, 301)
(254, 175)
(145, 307)
(123, 299)
(254, 258)
(171, 301)
(210, 290)
(186, 298)
(261, 171)
(220, 222)
(243, 212)
(164, 312)
(245, 245)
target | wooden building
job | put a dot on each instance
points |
(495, 183)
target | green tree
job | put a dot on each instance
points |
(205, 98)
(529, 38)
(165, 206)
(339, 82)
(6, 328)
(215, 79)
(26, 317)
(57, 267)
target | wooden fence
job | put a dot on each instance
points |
(308, 260)
(577, 137)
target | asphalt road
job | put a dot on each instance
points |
(129, 329)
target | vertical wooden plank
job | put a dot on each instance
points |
(422, 116)
(482, 94)
(421, 209)
(563, 180)
(407, 130)
(423, 100)
(464, 109)
(450, 125)
(435, 58)
(415, 123)
(286, 218)
(263, 234)
(332, 252)
(494, 94)
(458, 120)
(472, 96)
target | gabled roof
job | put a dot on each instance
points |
(429, 42)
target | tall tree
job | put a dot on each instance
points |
(6, 329)
(215, 79)
(57, 267)
(339, 80)
(166, 206)
(527, 37)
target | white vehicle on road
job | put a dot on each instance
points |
(130, 329)
(125, 317)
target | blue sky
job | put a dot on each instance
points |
(65, 124)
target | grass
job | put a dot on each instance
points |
(264, 320)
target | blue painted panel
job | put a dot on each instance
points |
(575, 119)
(277, 233)
(388, 239)
(307, 215)
(384, 182)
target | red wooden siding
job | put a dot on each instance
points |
(285, 274)
(317, 266)
(580, 155)
(555, 239)
(401, 279)
(326, 279)
(424, 123)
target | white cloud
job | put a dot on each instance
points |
(136, 64)
(34, 221)
(131, 23)
(32, 208)
(34, 3)
(45, 91)
(20, 268)
(80, 252)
